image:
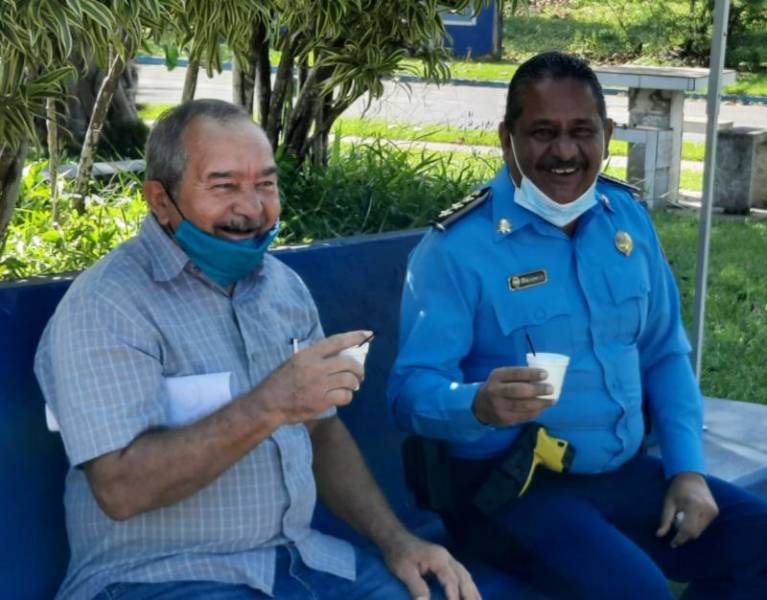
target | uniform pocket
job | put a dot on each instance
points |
(543, 313)
(629, 291)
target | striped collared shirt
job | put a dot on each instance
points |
(130, 327)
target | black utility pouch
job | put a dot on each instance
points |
(427, 472)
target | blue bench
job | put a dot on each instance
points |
(356, 283)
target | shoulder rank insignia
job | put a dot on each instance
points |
(630, 188)
(460, 208)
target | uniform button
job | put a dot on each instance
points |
(503, 226)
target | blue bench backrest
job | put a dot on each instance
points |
(356, 283)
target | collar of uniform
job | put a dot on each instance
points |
(504, 206)
(167, 257)
(603, 198)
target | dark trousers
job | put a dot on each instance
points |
(593, 536)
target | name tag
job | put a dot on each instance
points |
(526, 280)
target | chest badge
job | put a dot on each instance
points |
(526, 280)
(624, 243)
(503, 226)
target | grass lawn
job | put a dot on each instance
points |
(736, 310)
(481, 137)
(377, 128)
(611, 32)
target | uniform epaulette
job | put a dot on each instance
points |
(632, 189)
(459, 209)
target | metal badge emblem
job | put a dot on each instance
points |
(624, 243)
(503, 226)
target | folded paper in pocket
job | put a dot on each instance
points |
(192, 397)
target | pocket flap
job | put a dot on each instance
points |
(528, 308)
(623, 285)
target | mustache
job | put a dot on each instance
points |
(561, 164)
(241, 224)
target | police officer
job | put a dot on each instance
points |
(554, 255)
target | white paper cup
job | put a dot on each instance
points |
(555, 365)
(358, 353)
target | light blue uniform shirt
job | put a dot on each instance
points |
(617, 316)
(141, 315)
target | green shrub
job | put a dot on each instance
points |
(36, 244)
(374, 187)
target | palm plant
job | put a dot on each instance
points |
(36, 41)
(340, 49)
(133, 22)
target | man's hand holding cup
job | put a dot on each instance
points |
(316, 378)
(514, 395)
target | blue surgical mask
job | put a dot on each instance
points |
(224, 261)
(531, 197)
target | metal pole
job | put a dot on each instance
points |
(718, 47)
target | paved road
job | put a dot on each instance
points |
(457, 105)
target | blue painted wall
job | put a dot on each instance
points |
(473, 40)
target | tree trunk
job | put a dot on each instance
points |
(81, 97)
(53, 154)
(123, 106)
(190, 80)
(498, 31)
(303, 74)
(304, 111)
(282, 86)
(243, 84)
(11, 166)
(263, 73)
(318, 145)
(100, 109)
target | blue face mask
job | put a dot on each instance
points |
(531, 197)
(224, 261)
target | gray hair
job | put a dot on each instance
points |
(165, 151)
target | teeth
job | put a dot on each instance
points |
(563, 171)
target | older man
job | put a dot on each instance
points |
(193, 386)
(553, 256)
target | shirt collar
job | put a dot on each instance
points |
(167, 257)
(519, 217)
(504, 206)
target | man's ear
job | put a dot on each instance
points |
(159, 201)
(508, 152)
(609, 125)
(503, 136)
